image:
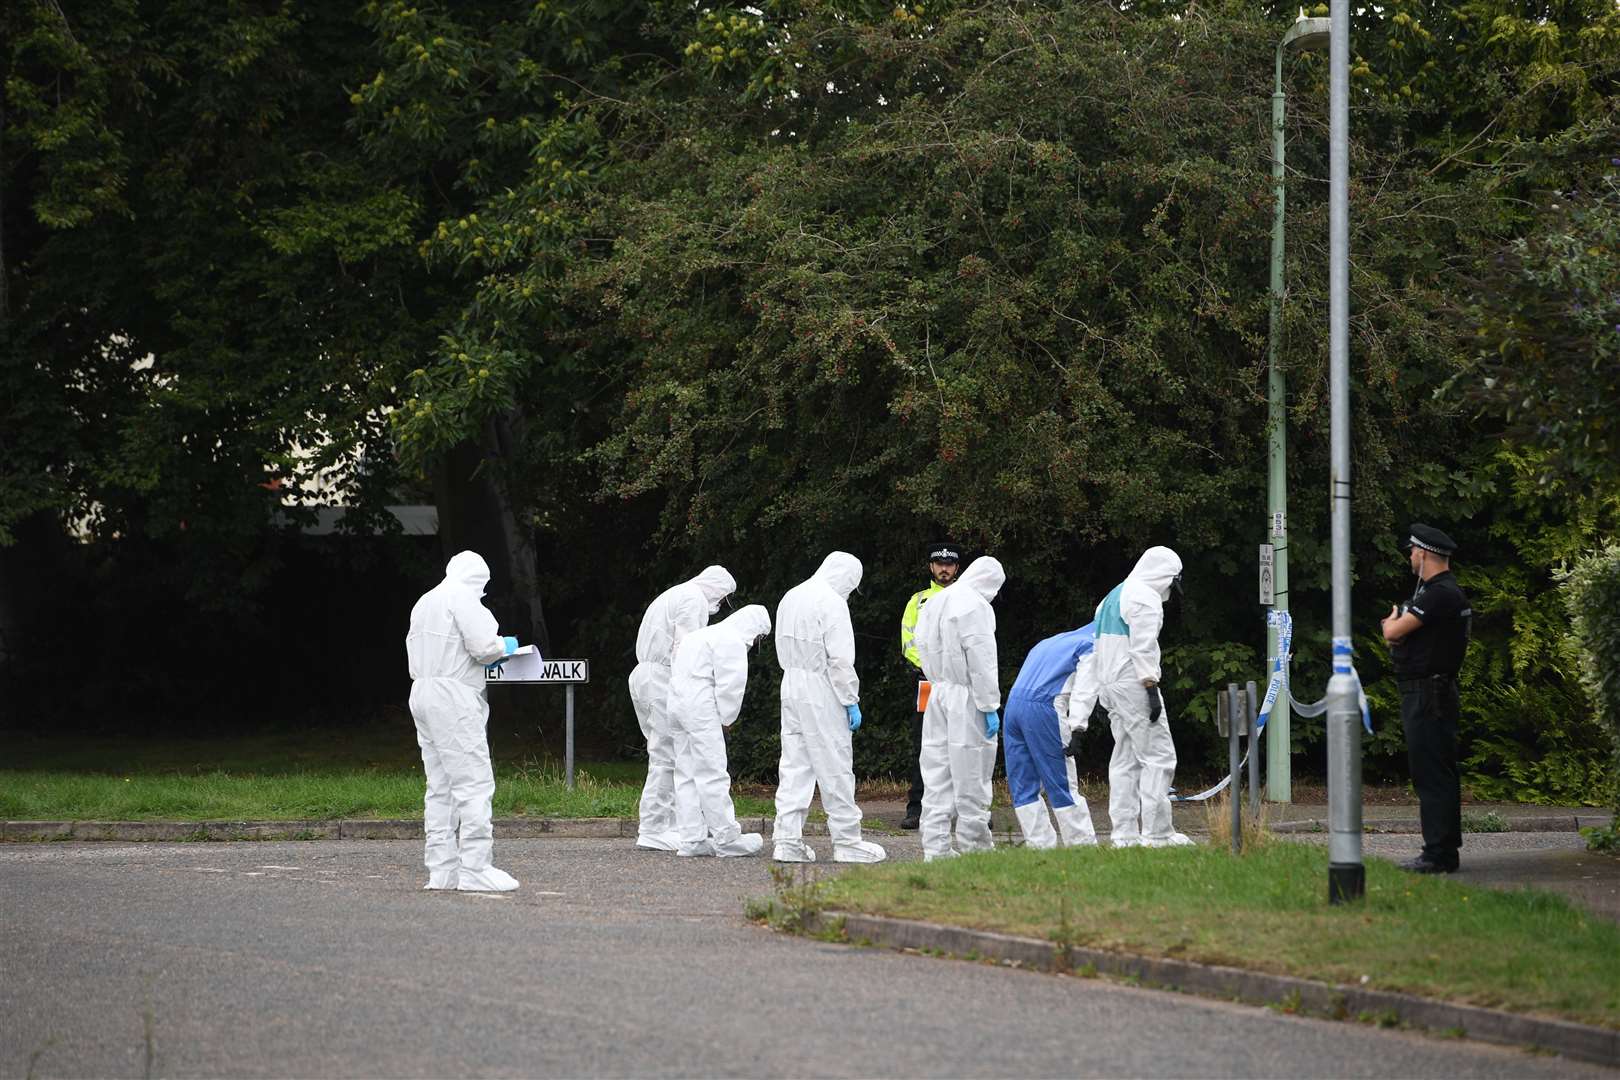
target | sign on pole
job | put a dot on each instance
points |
(532, 669)
(1268, 581)
(529, 669)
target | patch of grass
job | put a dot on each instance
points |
(1605, 838)
(367, 771)
(1266, 910)
(1488, 822)
(796, 889)
(528, 790)
(1255, 829)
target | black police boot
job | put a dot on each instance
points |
(1425, 865)
(912, 820)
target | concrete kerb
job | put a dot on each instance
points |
(344, 829)
(1579, 1041)
(579, 828)
(1539, 824)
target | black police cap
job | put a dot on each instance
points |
(1430, 538)
(944, 551)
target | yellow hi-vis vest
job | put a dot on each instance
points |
(908, 622)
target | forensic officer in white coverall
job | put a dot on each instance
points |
(815, 644)
(1127, 683)
(706, 684)
(451, 639)
(677, 612)
(956, 640)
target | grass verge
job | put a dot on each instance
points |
(357, 772)
(1525, 951)
(218, 795)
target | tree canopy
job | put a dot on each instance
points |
(744, 284)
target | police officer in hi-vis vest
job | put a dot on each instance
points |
(944, 557)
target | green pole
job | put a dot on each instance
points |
(1278, 777)
(1303, 34)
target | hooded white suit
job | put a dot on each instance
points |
(815, 644)
(1127, 656)
(956, 639)
(706, 684)
(452, 637)
(677, 612)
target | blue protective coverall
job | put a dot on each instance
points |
(1036, 729)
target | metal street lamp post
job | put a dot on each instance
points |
(1347, 876)
(1304, 34)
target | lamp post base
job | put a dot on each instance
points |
(1346, 882)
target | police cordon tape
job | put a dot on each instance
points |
(1284, 622)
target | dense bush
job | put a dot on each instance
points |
(1592, 594)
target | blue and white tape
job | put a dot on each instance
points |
(1342, 665)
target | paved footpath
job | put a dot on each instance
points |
(327, 959)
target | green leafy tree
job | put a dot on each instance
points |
(205, 291)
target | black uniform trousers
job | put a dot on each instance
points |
(1429, 710)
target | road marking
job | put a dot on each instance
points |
(548, 894)
(272, 867)
(210, 870)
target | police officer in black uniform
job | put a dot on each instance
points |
(1427, 636)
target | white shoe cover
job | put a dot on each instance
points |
(1125, 841)
(859, 851)
(488, 879)
(748, 843)
(1175, 839)
(695, 851)
(442, 879)
(794, 851)
(941, 857)
(664, 841)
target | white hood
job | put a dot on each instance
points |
(842, 573)
(984, 576)
(467, 570)
(715, 583)
(747, 624)
(1156, 569)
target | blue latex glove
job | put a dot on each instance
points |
(511, 645)
(854, 712)
(992, 724)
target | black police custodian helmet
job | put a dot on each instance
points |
(944, 551)
(1429, 538)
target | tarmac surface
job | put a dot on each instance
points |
(327, 959)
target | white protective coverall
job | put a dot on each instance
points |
(677, 612)
(956, 639)
(452, 636)
(1127, 656)
(706, 684)
(815, 644)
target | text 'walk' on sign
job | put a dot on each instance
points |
(533, 669)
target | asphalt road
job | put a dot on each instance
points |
(326, 959)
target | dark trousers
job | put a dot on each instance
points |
(1429, 709)
(914, 796)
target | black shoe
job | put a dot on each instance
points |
(1423, 865)
(911, 821)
